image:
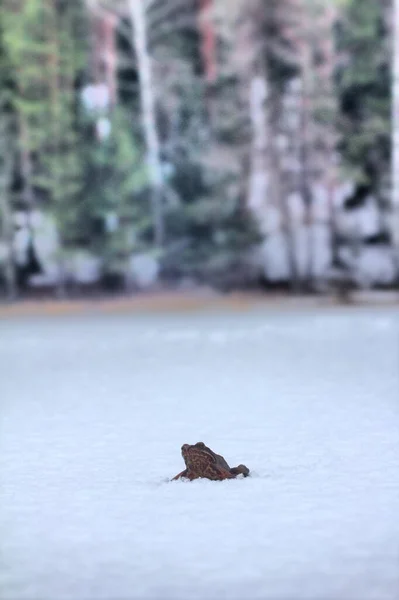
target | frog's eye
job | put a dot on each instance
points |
(200, 445)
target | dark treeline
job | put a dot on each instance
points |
(208, 141)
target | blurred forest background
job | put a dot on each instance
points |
(233, 143)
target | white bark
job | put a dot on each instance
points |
(265, 195)
(395, 133)
(258, 181)
(138, 18)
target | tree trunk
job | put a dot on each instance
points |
(395, 137)
(325, 78)
(54, 85)
(208, 40)
(7, 232)
(307, 138)
(138, 18)
(8, 235)
(26, 169)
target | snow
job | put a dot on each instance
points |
(364, 221)
(96, 97)
(375, 265)
(94, 411)
(144, 270)
(84, 267)
(274, 252)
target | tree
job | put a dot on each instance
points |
(113, 215)
(203, 194)
(138, 11)
(7, 165)
(395, 133)
(363, 80)
(47, 33)
(139, 22)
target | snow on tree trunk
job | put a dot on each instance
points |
(243, 25)
(314, 139)
(395, 135)
(147, 95)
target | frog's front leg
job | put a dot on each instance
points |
(180, 475)
(186, 474)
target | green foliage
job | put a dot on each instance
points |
(114, 189)
(7, 129)
(364, 91)
(7, 166)
(207, 222)
(47, 52)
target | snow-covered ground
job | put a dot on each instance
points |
(94, 411)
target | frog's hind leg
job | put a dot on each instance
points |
(225, 474)
(218, 474)
(240, 470)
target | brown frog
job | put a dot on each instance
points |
(201, 461)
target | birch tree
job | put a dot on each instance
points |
(137, 11)
(141, 13)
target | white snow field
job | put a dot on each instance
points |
(94, 411)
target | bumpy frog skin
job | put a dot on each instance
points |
(202, 462)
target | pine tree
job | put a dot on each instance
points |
(206, 143)
(113, 215)
(364, 91)
(45, 41)
(206, 220)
